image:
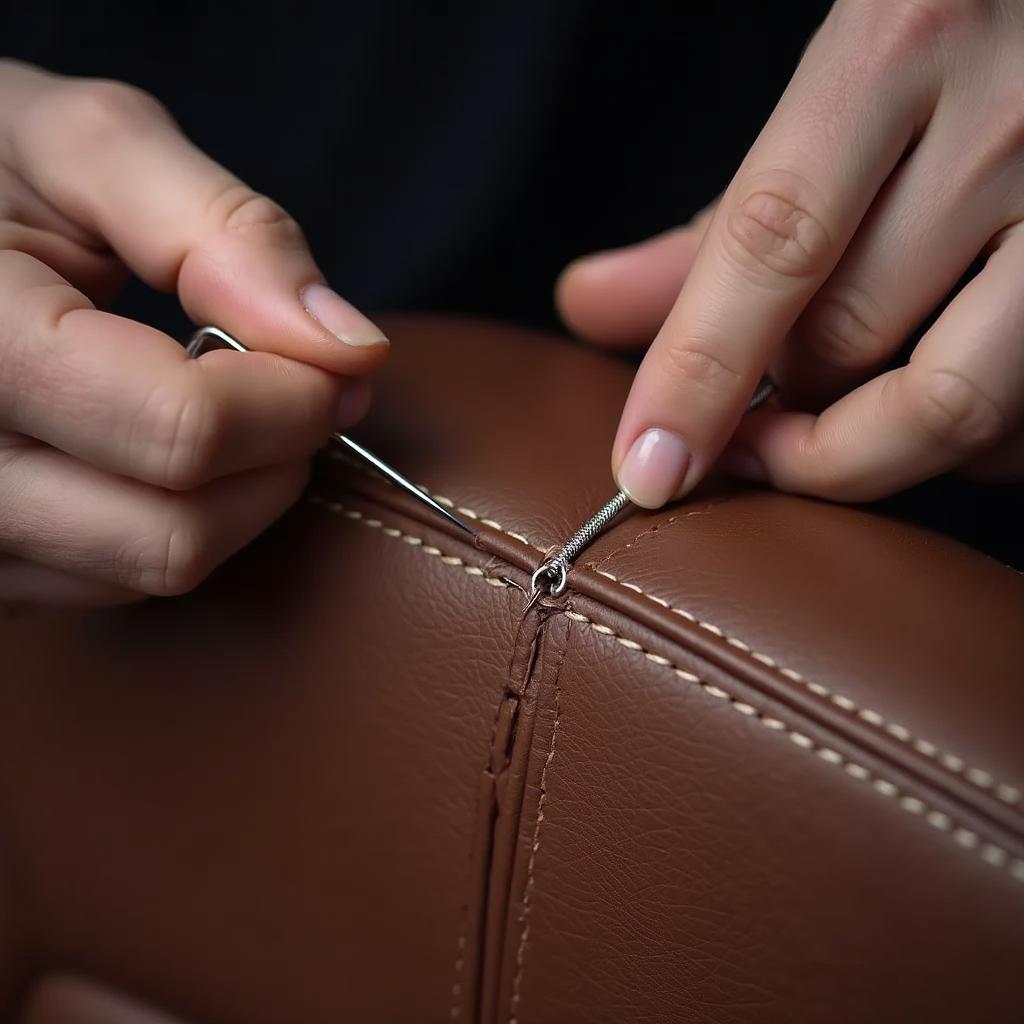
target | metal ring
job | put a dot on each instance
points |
(555, 572)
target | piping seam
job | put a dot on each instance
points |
(524, 913)
(992, 854)
(966, 838)
(978, 777)
(951, 762)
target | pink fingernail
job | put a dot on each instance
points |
(654, 467)
(341, 318)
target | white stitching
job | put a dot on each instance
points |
(460, 960)
(992, 854)
(472, 570)
(417, 542)
(978, 777)
(964, 837)
(524, 913)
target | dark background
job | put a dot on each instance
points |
(456, 156)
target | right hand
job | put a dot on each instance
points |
(126, 468)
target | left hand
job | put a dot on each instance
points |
(894, 158)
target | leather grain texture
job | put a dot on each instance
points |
(760, 762)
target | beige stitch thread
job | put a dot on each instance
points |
(456, 1010)
(524, 915)
(439, 498)
(493, 524)
(978, 777)
(1006, 793)
(992, 854)
(389, 531)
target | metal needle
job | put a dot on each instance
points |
(200, 343)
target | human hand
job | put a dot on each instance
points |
(125, 468)
(894, 158)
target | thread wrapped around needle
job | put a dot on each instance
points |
(553, 573)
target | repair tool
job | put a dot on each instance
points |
(553, 572)
(213, 337)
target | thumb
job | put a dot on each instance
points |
(112, 160)
(620, 297)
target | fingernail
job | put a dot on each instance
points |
(353, 404)
(740, 461)
(654, 467)
(341, 318)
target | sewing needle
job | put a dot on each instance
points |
(208, 337)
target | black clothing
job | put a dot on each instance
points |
(455, 156)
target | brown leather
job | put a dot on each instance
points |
(761, 762)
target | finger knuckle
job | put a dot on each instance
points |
(33, 353)
(241, 210)
(698, 365)
(844, 329)
(907, 28)
(177, 436)
(171, 558)
(998, 140)
(815, 469)
(953, 410)
(96, 112)
(771, 231)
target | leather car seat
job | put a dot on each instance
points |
(761, 761)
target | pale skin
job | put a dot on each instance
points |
(894, 158)
(127, 469)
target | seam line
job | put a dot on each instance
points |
(994, 855)
(978, 777)
(524, 913)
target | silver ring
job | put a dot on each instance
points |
(555, 572)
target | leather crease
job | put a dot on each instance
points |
(512, 781)
(761, 680)
(537, 648)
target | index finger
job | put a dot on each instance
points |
(110, 158)
(781, 227)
